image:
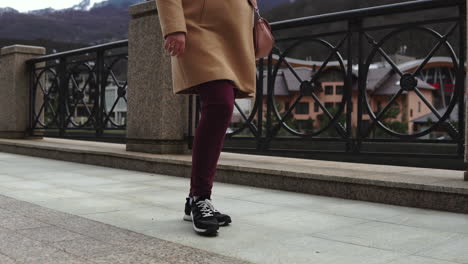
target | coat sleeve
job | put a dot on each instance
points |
(171, 16)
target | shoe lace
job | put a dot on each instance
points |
(205, 207)
(212, 206)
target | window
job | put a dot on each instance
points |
(328, 106)
(411, 113)
(419, 107)
(328, 89)
(302, 108)
(339, 89)
(316, 107)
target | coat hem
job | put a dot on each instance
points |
(239, 95)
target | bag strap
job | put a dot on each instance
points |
(254, 4)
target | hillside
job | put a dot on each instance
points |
(96, 26)
(85, 22)
(301, 8)
(267, 5)
(90, 23)
(51, 46)
(411, 43)
(105, 22)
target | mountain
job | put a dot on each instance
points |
(87, 5)
(51, 46)
(8, 10)
(105, 22)
(84, 5)
(301, 8)
(417, 44)
(267, 5)
(41, 11)
(90, 22)
(117, 3)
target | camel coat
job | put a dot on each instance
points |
(219, 43)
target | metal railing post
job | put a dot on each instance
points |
(259, 102)
(62, 93)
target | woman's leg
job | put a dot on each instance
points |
(217, 104)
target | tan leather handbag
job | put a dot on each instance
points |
(263, 37)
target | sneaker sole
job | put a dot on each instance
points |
(188, 218)
(208, 231)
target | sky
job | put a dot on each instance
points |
(26, 5)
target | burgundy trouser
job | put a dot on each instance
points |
(217, 104)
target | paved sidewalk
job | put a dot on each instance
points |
(268, 226)
(34, 234)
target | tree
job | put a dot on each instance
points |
(397, 126)
(331, 131)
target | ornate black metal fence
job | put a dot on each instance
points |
(386, 81)
(382, 81)
(80, 93)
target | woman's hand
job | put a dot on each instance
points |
(175, 43)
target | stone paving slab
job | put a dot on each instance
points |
(270, 226)
(31, 233)
(398, 185)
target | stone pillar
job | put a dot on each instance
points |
(157, 118)
(14, 89)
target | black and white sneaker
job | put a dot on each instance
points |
(203, 220)
(223, 219)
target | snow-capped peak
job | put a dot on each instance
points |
(85, 5)
(7, 10)
(41, 11)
